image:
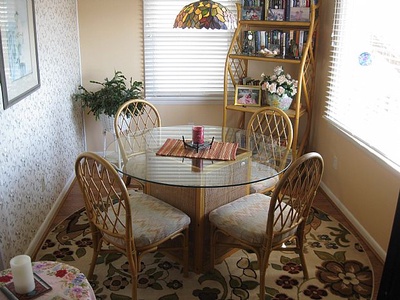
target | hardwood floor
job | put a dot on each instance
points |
(74, 201)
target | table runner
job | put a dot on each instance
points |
(218, 151)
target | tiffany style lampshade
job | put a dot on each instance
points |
(205, 14)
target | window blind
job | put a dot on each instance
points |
(363, 92)
(182, 65)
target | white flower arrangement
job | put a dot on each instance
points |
(279, 83)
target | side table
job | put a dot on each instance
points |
(67, 282)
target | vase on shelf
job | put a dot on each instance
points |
(283, 102)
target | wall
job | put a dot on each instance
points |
(42, 134)
(364, 187)
(117, 43)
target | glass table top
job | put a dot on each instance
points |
(144, 164)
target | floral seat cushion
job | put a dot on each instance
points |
(246, 219)
(152, 219)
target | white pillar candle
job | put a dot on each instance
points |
(21, 268)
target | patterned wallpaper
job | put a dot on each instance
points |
(41, 135)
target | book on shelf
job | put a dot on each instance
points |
(248, 47)
(250, 2)
(282, 43)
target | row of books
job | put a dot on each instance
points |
(279, 43)
(276, 10)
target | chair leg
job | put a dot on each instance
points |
(128, 180)
(97, 243)
(132, 261)
(263, 265)
(300, 243)
(186, 252)
(212, 246)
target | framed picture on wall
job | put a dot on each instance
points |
(19, 69)
(248, 95)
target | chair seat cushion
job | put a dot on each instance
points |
(138, 163)
(259, 170)
(246, 219)
(152, 219)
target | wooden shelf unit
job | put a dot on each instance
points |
(237, 66)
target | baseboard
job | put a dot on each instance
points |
(42, 232)
(361, 230)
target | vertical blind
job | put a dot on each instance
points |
(364, 84)
(182, 65)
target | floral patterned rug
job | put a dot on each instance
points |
(338, 267)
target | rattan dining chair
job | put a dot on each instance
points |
(261, 223)
(129, 222)
(269, 137)
(132, 120)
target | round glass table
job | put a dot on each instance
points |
(196, 179)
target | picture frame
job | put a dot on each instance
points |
(19, 67)
(299, 14)
(276, 14)
(248, 95)
(253, 13)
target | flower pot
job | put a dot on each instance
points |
(283, 102)
(108, 123)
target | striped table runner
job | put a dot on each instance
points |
(218, 151)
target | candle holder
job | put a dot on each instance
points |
(197, 147)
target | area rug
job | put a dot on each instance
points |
(338, 267)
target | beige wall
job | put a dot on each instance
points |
(364, 188)
(111, 43)
(111, 38)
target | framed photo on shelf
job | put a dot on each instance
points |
(299, 14)
(252, 13)
(248, 95)
(276, 14)
(19, 69)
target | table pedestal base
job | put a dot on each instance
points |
(197, 204)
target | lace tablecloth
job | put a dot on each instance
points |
(66, 282)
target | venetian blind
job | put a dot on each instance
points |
(182, 65)
(364, 94)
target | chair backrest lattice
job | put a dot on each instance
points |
(269, 136)
(294, 194)
(106, 198)
(133, 120)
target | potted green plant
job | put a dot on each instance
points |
(112, 94)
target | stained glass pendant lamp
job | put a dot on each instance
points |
(205, 14)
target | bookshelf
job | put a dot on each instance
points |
(241, 64)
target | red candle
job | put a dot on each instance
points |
(198, 135)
